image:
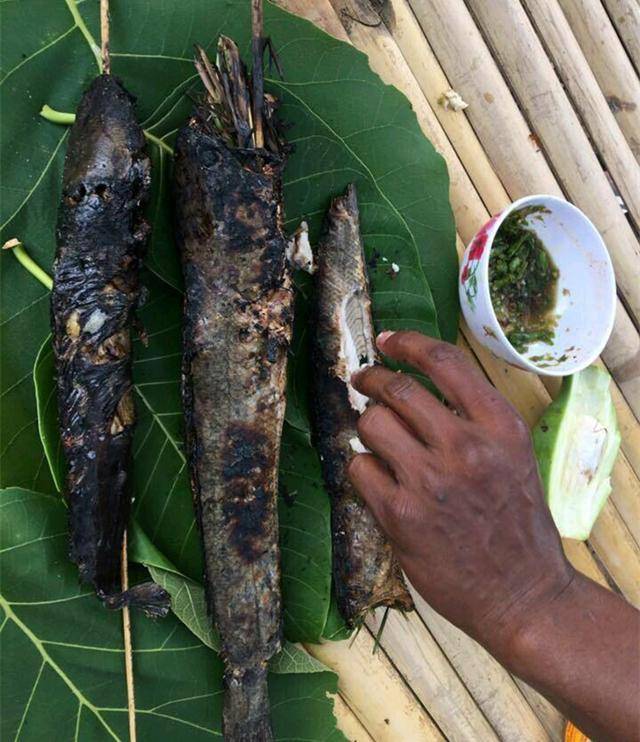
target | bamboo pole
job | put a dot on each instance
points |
(579, 82)
(387, 61)
(374, 690)
(625, 15)
(490, 684)
(412, 645)
(622, 354)
(610, 536)
(609, 62)
(502, 128)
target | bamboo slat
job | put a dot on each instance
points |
(374, 691)
(609, 62)
(506, 705)
(625, 15)
(347, 722)
(572, 68)
(502, 128)
(427, 671)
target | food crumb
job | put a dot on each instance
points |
(450, 100)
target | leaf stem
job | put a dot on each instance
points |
(82, 26)
(27, 262)
(57, 117)
(66, 119)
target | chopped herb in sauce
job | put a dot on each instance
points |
(522, 282)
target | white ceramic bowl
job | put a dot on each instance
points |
(586, 299)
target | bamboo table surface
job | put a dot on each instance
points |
(553, 97)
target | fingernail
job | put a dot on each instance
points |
(383, 337)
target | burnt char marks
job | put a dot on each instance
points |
(248, 458)
(244, 510)
(100, 239)
(238, 212)
(244, 452)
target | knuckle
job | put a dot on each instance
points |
(520, 427)
(369, 419)
(354, 466)
(401, 386)
(446, 354)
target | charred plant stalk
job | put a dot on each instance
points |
(365, 572)
(101, 234)
(237, 328)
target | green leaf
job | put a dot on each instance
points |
(189, 605)
(63, 656)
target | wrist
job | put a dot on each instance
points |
(531, 630)
(509, 632)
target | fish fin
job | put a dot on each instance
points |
(150, 598)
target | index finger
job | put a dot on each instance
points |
(445, 364)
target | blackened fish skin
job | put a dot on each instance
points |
(237, 329)
(365, 572)
(101, 234)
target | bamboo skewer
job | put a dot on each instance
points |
(257, 49)
(124, 560)
(128, 648)
(609, 62)
(580, 83)
(104, 37)
(625, 15)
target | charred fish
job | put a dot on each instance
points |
(365, 572)
(101, 235)
(237, 329)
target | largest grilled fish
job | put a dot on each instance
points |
(101, 235)
(237, 329)
(365, 572)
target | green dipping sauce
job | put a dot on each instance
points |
(523, 281)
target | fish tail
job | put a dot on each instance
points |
(245, 714)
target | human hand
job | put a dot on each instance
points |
(458, 495)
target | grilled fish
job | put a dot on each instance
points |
(365, 572)
(237, 329)
(101, 234)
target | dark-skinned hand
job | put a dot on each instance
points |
(457, 491)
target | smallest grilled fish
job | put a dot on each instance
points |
(365, 572)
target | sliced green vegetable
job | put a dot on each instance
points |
(576, 443)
